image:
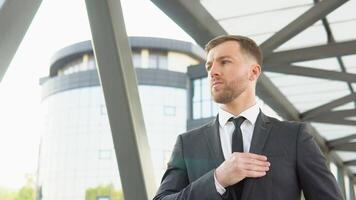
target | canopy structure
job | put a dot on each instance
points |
(310, 59)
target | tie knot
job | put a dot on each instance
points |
(237, 121)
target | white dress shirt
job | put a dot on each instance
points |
(226, 129)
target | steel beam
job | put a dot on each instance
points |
(339, 114)
(350, 162)
(310, 72)
(341, 141)
(328, 106)
(15, 18)
(312, 53)
(193, 18)
(317, 12)
(333, 121)
(271, 95)
(346, 147)
(119, 83)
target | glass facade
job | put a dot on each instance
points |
(77, 153)
(136, 58)
(158, 59)
(165, 114)
(76, 148)
(203, 106)
(82, 63)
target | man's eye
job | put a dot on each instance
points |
(225, 61)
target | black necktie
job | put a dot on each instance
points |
(237, 146)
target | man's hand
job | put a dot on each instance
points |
(240, 166)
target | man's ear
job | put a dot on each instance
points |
(255, 72)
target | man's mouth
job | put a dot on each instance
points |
(216, 83)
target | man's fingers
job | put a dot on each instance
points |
(254, 156)
(254, 174)
(257, 168)
(256, 162)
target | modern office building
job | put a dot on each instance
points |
(77, 149)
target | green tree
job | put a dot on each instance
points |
(102, 191)
(26, 193)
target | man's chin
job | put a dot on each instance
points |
(218, 98)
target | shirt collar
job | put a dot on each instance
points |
(250, 114)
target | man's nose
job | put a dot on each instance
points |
(214, 70)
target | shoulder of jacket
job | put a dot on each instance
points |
(286, 123)
(198, 131)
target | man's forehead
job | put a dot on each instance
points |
(225, 48)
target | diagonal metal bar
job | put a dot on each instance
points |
(339, 114)
(333, 121)
(15, 18)
(311, 16)
(196, 20)
(346, 147)
(350, 162)
(335, 117)
(310, 72)
(328, 106)
(119, 84)
(341, 141)
(313, 53)
(193, 18)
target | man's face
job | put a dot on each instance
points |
(228, 72)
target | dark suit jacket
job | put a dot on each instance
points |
(296, 164)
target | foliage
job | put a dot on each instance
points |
(102, 191)
(26, 193)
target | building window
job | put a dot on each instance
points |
(136, 58)
(91, 62)
(169, 110)
(104, 154)
(158, 60)
(203, 106)
(84, 63)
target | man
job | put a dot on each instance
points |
(244, 154)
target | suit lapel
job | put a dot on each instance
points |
(260, 135)
(214, 144)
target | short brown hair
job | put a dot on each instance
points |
(247, 45)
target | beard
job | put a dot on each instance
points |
(228, 93)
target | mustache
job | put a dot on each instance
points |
(212, 80)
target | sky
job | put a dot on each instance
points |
(57, 24)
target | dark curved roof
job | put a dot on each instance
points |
(69, 53)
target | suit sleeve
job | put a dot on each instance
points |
(176, 185)
(315, 178)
